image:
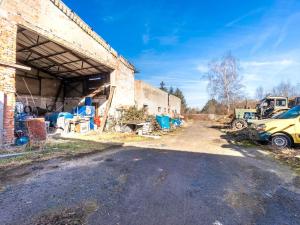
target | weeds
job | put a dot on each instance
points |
(71, 146)
(244, 138)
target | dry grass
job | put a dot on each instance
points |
(289, 157)
(66, 149)
(71, 146)
(110, 137)
(245, 138)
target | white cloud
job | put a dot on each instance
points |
(239, 19)
(168, 40)
(202, 68)
(146, 38)
(293, 18)
(283, 62)
(108, 19)
(250, 77)
(263, 38)
(268, 73)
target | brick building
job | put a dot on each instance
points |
(49, 57)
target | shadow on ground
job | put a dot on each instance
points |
(145, 186)
(19, 168)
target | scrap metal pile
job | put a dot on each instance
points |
(80, 119)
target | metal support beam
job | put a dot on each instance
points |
(29, 55)
(27, 76)
(47, 72)
(46, 57)
(82, 59)
(60, 64)
(25, 35)
(73, 87)
(71, 71)
(40, 83)
(41, 55)
(27, 48)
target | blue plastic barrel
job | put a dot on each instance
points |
(88, 101)
(22, 140)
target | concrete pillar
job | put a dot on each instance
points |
(8, 38)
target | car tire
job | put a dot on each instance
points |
(281, 141)
(239, 124)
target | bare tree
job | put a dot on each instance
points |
(260, 93)
(224, 80)
(284, 89)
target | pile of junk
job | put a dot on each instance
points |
(81, 119)
(133, 120)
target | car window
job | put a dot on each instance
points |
(290, 114)
(281, 102)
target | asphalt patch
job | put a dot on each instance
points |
(109, 160)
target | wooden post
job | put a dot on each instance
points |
(40, 83)
(107, 108)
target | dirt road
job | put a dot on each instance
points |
(192, 177)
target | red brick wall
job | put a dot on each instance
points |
(8, 34)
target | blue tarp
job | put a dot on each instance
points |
(163, 121)
(177, 122)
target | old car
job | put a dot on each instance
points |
(242, 117)
(282, 131)
(271, 106)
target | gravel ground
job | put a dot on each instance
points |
(193, 177)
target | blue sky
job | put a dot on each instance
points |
(173, 40)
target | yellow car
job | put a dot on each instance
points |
(283, 131)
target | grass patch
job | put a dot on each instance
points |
(246, 143)
(18, 160)
(122, 137)
(73, 146)
(67, 149)
(70, 146)
(109, 137)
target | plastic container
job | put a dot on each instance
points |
(22, 141)
(88, 101)
(84, 111)
(176, 122)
